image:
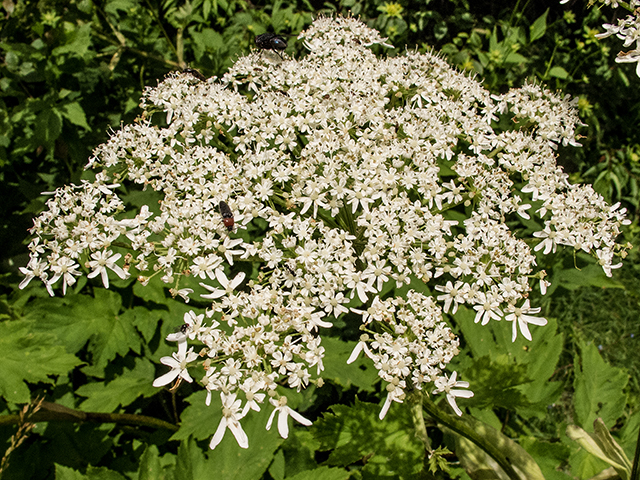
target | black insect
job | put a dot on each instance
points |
(271, 41)
(227, 216)
(291, 270)
(195, 73)
(184, 328)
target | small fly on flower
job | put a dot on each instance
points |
(271, 41)
(227, 216)
(195, 73)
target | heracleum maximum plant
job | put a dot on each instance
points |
(382, 191)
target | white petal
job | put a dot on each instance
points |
(238, 279)
(356, 352)
(217, 437)
(452, 401)
(166, 379)
(222, 278)
(385, 407)
(238, 432)
(271, 418)
(283, 425)
(299, 418)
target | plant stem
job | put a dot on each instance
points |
(415, 400)
(635, 470)
(52, 412)
(465, 430)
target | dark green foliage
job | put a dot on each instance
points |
(355, 434)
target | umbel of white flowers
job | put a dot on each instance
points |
(374, 190)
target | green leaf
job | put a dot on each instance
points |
(29, 356)
(151, 467)
(48, 126)
(602, 445)
(93, 473)
(145, 320)
(189, 457)
(76, 319)
(198, 419)
(584, 465)
(325, 473)
(354, 433)
(102, 473)
(479, 465)
(78, 42)
(510, 374)
(276, 469)
(599, 388)
(516, 58)
(548, 456)
(123, 390)
(360, 373)
(591, 275)
(75, 114)
(66, 473)
(539, 27)
(228, 460)
(495, 382)
(558, 72)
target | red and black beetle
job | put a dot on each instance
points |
(227, 215)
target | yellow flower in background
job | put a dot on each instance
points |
(391, 9)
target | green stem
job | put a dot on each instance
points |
(464, 429)
(53, 412)
(635, 469)
(415, 400)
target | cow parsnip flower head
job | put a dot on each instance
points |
(375, 190)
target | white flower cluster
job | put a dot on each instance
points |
(373, 190)
(627, 30)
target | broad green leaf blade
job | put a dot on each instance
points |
(539, 27)
(599, 388)
(93, 473)
(235, 463)
(122, 391)
(360, 373)
(548, 456)
(325, 473)
(75, 114)
(602, 445)
(78, 319)
(199, 420)
(511, 374)
(558, 72)
(66, 473)
(151, 466)
(102, 473)
(355, 433)
(29, 356)
(228, 459)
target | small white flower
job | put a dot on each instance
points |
(178, 363)
(283, 413)
(521, 318)
(447, 385)
(228, 286)
(231, 416)
(361, 346)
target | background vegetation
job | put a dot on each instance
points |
(73, 70)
